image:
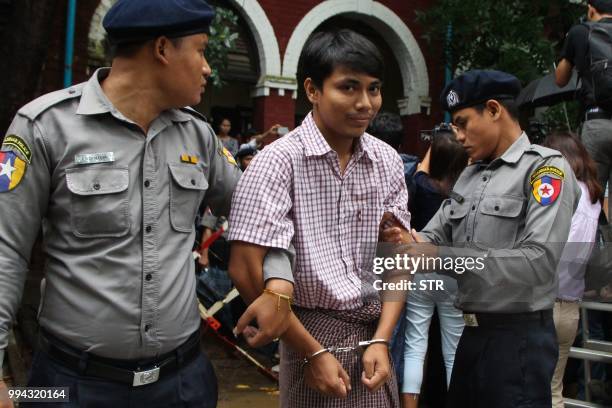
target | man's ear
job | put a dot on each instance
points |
(312, 92)
(160, 49)
(494, 108)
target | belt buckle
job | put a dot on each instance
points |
(145, 377)
(470, 320)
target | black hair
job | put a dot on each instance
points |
(448, 157)
(387, 127)
(221, 119)
(602, 6)
(509, 104)
(326, 50)
(580, 161)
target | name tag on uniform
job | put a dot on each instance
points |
(92, 158)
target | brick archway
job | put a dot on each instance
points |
(251, 11)
(408, 54)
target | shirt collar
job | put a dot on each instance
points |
(316, 145)
(314, 142)
(177, 115)
(516, 150)
(94, 101)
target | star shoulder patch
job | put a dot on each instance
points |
(546, 183)
(12, 169)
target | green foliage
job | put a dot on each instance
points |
(517, 36)
(223, 38)
(523, 37)
(564, 116)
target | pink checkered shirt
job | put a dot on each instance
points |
(294, 192)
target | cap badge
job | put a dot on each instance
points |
(452, 99)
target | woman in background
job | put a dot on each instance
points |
(433, 180)
(576, 253)
(229, 142)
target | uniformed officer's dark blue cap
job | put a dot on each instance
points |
(140, 20)
(478, 86)
(246, 150)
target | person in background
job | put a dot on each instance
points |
(576, 254)
(229, 142)
(388, 127)
(435, 176)
(256, 139)
(596, 131)
(245, 155)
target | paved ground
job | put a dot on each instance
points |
(240, 383)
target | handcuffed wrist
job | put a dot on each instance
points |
(309, 358)
(367, 343)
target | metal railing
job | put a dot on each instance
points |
(592, 351)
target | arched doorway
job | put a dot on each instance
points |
(392, 87)
(396, 35)
(254, 63)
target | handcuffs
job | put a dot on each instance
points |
(359, 348)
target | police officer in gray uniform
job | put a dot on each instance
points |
(114, 171)
(510, 212)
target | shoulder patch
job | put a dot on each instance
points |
(194, 112)
(544, 152)
(17, 143)
(12, 169)
(546, 183)
(228, 156)
(39, 105)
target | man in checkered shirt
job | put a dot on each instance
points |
(324, 188)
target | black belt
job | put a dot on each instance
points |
(128, 372)
(506, 319)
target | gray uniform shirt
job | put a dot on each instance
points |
(117, 209)
(495, 214)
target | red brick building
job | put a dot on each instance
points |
(261, 87)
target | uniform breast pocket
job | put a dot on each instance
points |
(99, 201)
(187, 189)
(498, 221)
(457, 213)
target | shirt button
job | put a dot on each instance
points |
(148, 277)
(473, 207)
(147, 327)
(147, 183)
(484, 178)
(148, 228)
(96, 186)
(497, 208)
